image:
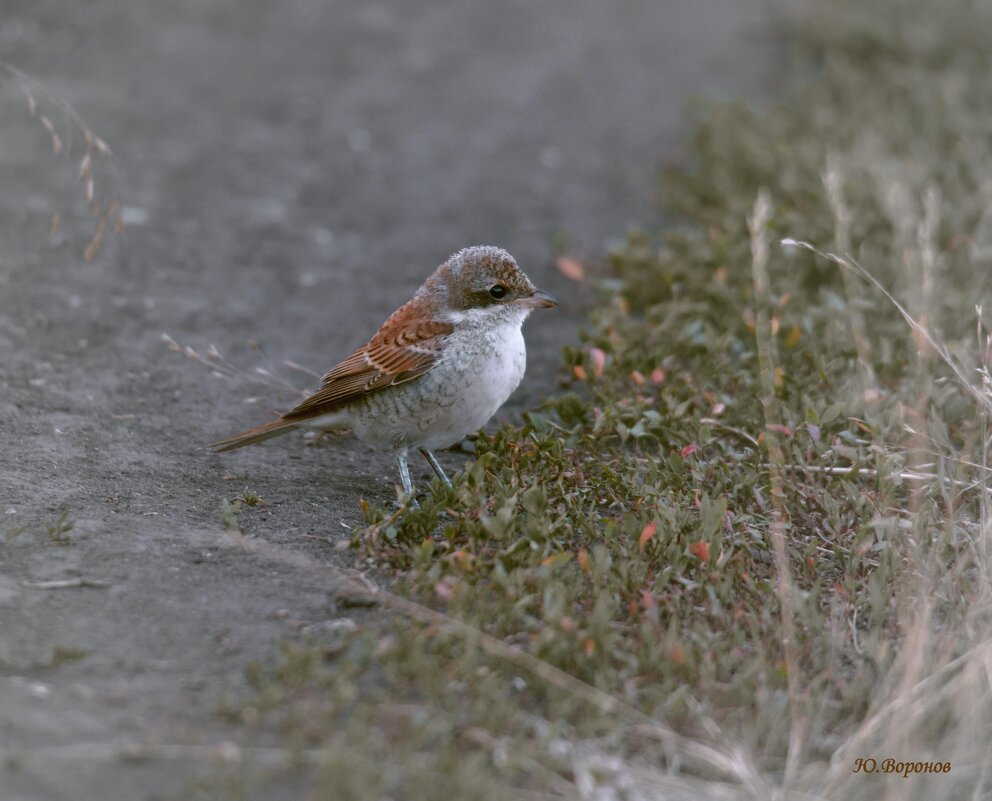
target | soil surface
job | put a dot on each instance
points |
(290, 172)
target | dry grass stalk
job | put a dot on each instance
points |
(221, 368)
(925, 680)
(95, 162)
(779, 527)
(833, 178)
(983, 399)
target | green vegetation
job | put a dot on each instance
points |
(251, 499)
(63, 654)
(752, 544)
(58, 532)
(229, 514)
(13, 533)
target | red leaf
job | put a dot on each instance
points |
(444, 590)
(700, 549)
(598, 361)
(646, 534)
(570, 268)
(688, 450)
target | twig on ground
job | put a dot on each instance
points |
(869, 472)
(68, 584)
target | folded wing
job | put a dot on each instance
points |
(399, 352)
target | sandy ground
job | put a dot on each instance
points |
(292, 171)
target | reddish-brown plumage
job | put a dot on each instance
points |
(401, 350)
(257, 434)
(436, 370)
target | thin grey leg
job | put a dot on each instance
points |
(434, 465)
(404, 473)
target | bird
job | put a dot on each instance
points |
(436, 370)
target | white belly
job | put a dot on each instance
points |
(486, 386)
(469, 383)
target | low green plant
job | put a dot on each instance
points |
(58, 532)
(229, 511)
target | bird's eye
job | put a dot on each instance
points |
(497, 292)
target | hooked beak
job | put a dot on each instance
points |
(539, 300)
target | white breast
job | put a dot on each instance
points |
(479, 372)
(502, 368)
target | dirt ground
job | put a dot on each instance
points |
(291, 172)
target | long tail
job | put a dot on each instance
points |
(253, 435)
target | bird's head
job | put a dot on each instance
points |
(484, 283)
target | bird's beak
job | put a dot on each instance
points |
(539, 300)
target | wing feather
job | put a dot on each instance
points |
(399, 352)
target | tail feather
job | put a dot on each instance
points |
(258, 434)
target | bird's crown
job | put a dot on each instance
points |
(483, 276)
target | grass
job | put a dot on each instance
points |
(64, 654)
(229, 511)
(750, 547)
(58, 532)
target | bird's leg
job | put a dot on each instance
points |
(434, 465)
(405, 475)
(404, 472)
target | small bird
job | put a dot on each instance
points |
(436, 370)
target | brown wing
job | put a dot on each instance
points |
(400, 351)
